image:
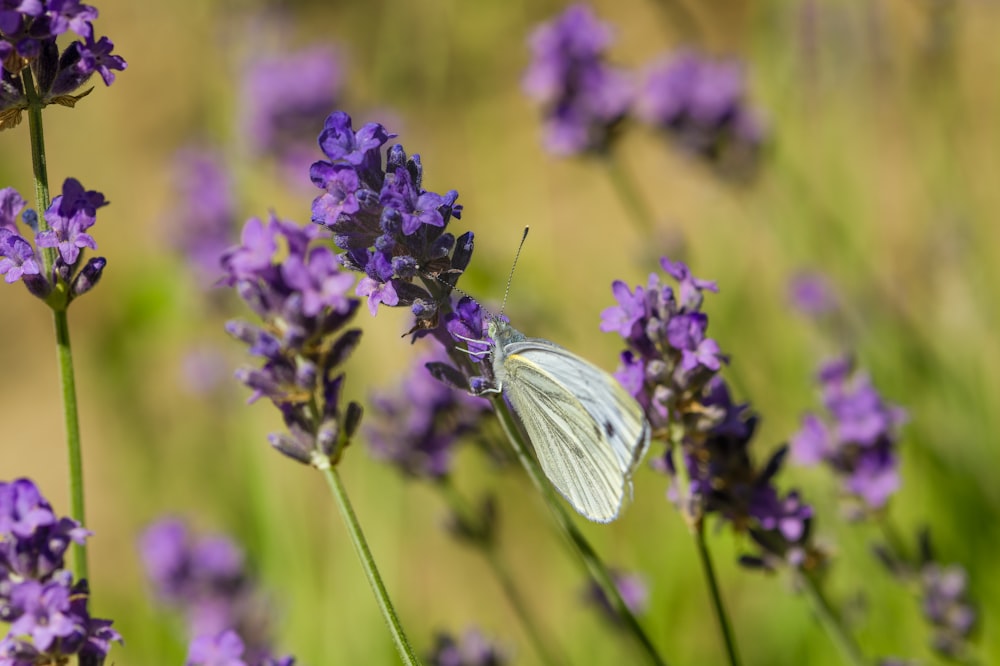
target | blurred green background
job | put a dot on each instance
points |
(882, 174)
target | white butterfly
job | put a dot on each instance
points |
(588, 433)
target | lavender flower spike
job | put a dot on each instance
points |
(858, 440)
(583, 98)
(47, 611)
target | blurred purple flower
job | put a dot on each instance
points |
(472, 649)
(388, 225)
(417, 427)
(583, 98)
(286, 96)
(47, 612)
(812, 294)
(633, 589)
(203, 219)
(947, 607)
(858, 440)
(203, 369)
(701, 103)
(206, 579)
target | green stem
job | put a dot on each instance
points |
(713, 586)
(628, 193)
(368, 564)
(849, 650)
(595, 567)
(487, 547)
(74, 449)
(64, 350)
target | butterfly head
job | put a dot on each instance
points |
(501, 333)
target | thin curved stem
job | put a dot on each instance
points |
(368, 564)
(713, 587)
(595, 567)
(849, 650)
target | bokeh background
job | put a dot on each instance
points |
(880, 174)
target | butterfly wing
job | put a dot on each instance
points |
(587, 432)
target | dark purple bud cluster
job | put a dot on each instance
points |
(472, 649)
(300, 292)
(28, 34)
(672, 368)
(419, 425)
(858, 439)
(582, 96)
(46, 610)
(68, 218)
(389, 226)
(207, 580)
(701, 103)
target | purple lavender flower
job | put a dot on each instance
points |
(204, 217)
(17, 258)
(811, 294)
(701, 103)
(28, 32)
(389, 226)
(472, 649)
(11, 205)
(631, 586)
(206, 579)
(69, 216)
(858, 441)
(947, 607)
(583, 98)
(302, 301)
(669, 359)
(285, 97)
(47, 611)
(417, 427)
(672, 368)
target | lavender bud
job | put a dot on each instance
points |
(88, 278)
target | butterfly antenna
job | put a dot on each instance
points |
(510, 277)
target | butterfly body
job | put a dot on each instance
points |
(587, 432)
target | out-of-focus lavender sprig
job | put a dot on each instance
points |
(203, 219)
(812, 294)
(300, 292)
(389, 226)
(857, 440)
(672, 368)
(634, 591)
(583, 97)
(46, 610)
(206, 579)
(69, 218)
(701, 103)
(284, 97)
(417, 427)
(471, 649)
(28, 34)
(944, 596)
